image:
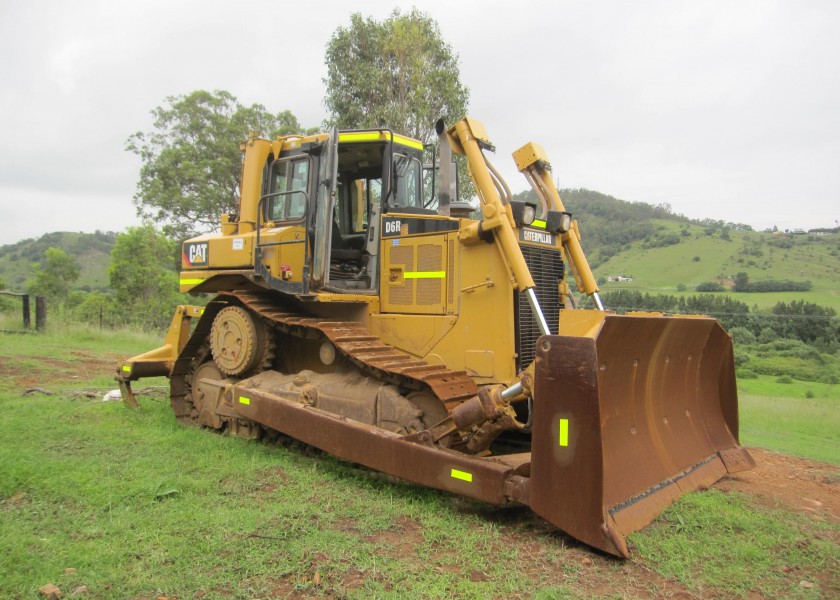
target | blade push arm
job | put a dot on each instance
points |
(532, 162)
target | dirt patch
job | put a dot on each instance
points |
(44, 371)
(401, 539)
(803, 485)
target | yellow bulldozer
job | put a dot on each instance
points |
(359, 307)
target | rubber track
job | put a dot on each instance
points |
(353, 340)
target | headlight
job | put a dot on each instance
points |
(558, 221)
(524, 213)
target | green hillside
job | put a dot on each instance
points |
(91, 251)
(702, 254)
(668, 253)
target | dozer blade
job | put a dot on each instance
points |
(630, 413)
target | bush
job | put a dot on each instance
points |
(809, 394)
(661, 240)
(742, 336)
(709, 286)
(784, 379)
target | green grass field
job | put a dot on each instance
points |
(781, 417)
(131, 505)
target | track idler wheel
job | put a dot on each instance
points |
(239, 341)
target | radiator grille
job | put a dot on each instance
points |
(547, 270)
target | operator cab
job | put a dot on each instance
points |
(335, 191)
(377, 172)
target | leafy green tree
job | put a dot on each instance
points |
(143, 277)
(742, 282)
(398, 73)
(55, 275)
(191, 159)
(806, 321)
(709, 286)
(97, 308)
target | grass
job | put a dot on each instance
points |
(781, 417)
(138, 506)
(725, 533)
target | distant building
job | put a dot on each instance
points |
(619, 278)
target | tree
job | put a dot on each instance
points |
(191, 160)
(398, 73)
(53, 277)
(142, 275)
(742, 282)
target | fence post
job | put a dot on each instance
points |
(40, 313)
(27, 321)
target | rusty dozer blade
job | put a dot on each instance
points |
(630, 412)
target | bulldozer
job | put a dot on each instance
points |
(358, 306)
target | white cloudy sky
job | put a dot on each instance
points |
(728, 109)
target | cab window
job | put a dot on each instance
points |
(287, 196)
(407, 182)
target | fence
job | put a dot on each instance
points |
(40, 310)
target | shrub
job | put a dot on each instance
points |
(784, 379)
(709, 286)
(742, 336)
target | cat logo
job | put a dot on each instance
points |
(196, 254)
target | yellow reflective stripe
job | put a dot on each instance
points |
(564, 432)
(376, 136)
(462, 475)
(244, 400)
(364, 136)
(401, 139)
(424, 275)
(191, 281)
(538, 223)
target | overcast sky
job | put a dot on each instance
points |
(728, 110)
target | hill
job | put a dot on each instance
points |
(91, 250)
(694, 254)
(663, 252)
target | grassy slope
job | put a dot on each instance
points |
(92, 252)
(662, 269)
(139, 506)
